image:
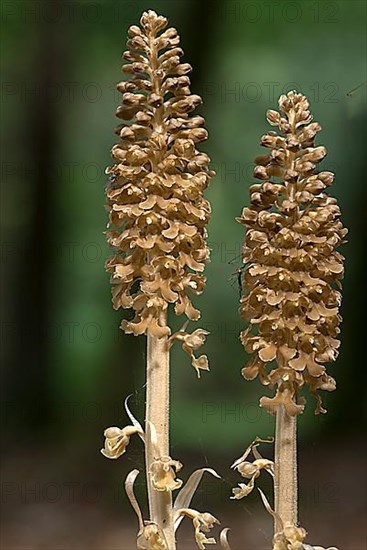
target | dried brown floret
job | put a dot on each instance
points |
(157, 212)
(292, 267)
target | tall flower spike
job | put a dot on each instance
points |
(157, 228)
(157, 212)
(292, 268)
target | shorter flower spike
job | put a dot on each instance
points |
(292, 267)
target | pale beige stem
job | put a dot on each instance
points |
(285, 469)
(157, 388)
(157, 414)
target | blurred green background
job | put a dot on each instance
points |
(66, 365)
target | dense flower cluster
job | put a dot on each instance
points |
(292, 267)
(157, 211)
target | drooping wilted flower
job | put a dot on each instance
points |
(151, 538)
(163, 471)
(291, 538)
(203, 522)
(190, 343)
(117, 439)
(292, 267)
(157, 211)
(251, 470)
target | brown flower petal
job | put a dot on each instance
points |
(268, 353)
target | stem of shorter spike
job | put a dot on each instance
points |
(285, 470)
